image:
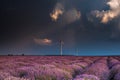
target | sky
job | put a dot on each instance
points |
(36, 27)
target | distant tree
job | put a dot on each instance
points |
(23, 54)
(10, 54)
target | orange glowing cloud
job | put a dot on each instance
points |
(108, 15)
(59, 10)
(43, 41)
(55, 14)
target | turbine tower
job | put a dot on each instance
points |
(61, 47)
(77, 51)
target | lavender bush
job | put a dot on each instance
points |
(115, 70)
(99, 69)
(86, 77)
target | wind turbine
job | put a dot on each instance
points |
(77, 51)
(61, 47)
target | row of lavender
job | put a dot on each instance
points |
(114, 65)
(59, 68)
(106, 68)
(96, 71)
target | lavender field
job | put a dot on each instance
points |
(59, 68)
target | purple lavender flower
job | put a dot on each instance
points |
(99, 69)
(86, 77)
(117, 76)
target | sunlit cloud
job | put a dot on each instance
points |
(108, 15)
(43, 41)
(58, 10)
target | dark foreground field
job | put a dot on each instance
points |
(59, 68)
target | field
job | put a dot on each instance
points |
(59, 68)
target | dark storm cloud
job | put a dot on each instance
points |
(67, 12)
(20, 18)
(71, 16)
(115, 35)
